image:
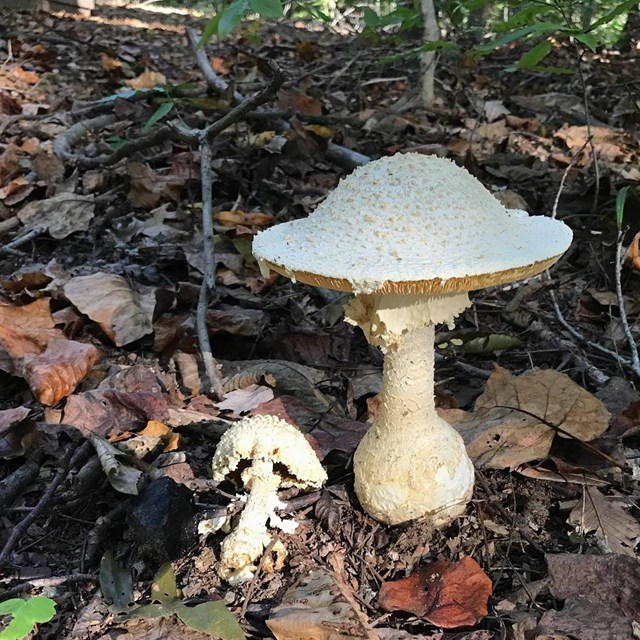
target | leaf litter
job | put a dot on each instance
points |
(99, 338)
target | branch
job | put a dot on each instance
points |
(70, 460)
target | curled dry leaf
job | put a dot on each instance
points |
(32, 348)
(56, 372)
(123, 477)
(448, 596)
(107, 299)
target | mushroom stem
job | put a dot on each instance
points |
(247, 541)
(411, 463)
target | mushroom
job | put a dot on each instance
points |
(267, 453)
(410, 236)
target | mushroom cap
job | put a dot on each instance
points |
(274, 439)
(412, 224)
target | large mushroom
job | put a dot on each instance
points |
(267, 454)
(410, 236)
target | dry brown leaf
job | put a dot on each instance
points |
(148, 188)
(312, 608)
(147, 80)
(107, 299)
(109, 411)
(550, 395)
(170, 439)
(249, 219)
(55, 373)
(60, 215)
(633, 252)
(30, 77)
(608, 519)
(110, 64)
(31, 347)
(241, 401)
(448, 596)
(500, 438)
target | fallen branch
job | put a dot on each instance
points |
(72, 457)
(43, 583)
(204, 138)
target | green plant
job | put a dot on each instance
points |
(25, 614)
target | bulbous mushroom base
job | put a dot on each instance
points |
(398, 479)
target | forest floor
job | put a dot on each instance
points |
(107, 430)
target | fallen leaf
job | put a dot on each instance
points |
(170, 439)
(108, 300)
(57, 371)
(551, 395)
(30, 77)
(500, 438)
(31, 347)
(148, 188)
(123, 477)
(243, 400)
(60, 215)
(601, 594)
(448, 596)
(315, 607)
(249, 219)
(146, 80)
(110, 64)
(607, 517)
(109, 411)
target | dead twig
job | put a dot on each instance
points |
(633, 347)
(70, 460)
(43, 583)
(15, 483)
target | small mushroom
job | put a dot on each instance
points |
(268, 454)
(410, 236)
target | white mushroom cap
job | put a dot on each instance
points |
(412, 224)
(268, 437)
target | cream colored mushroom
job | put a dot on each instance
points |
(269, 454)
(410, 236)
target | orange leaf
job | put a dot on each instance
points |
(110, 64)
(447, 596)
(55, 373)
(147, 80)
(253, 218)
(31, 347)
(633, 252)
(30, 77)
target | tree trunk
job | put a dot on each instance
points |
(428, 59)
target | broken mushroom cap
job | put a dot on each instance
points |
(266, 436)
(412, 224)
(269, 454)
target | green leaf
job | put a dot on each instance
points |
(587, 39)
(267, 8)
(163, 587)
(371, 18)
(539, 28)
(613, 13)
(26, 613)
(535, 55)
(523, 18)
(212, 618)
(231, 16)
(152, 611)
(116, 582)
(621, 199)
(210, 30)
(158, 114)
